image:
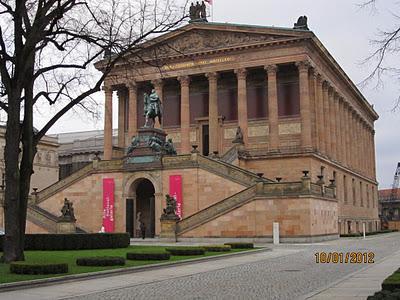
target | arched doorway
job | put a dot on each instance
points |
(140, 208)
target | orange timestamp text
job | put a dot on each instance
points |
(344, 257)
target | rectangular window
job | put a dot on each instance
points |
(361, 195)
(257, 104)
(354, 191)
(288, 91)
(367, 189)
(345, 196)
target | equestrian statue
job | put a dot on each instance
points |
(152, 109)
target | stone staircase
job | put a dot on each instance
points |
(215, 166)
(231, 155)
(45, 219)
(95, 166)
(216, 210)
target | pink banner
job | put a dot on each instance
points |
(175, 190)
(108, 204)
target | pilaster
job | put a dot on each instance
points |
(327, 131)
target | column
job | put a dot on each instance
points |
(358, 145)
(272, 107)
(213, 111)
(342, 132)
(337, 128)
(158, 86)
(332, 119)
(121, 118)
(373, 175)
(327, 131)
(108, 123)
(313, 108)
(242, 101)
(353, 140)
(347, 134)
(305, 107)
(185, 114)
(321, 115)
(132, 125)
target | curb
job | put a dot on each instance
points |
(6, 287)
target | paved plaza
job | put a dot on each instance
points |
(286, 272)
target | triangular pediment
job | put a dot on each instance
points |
(203, 38)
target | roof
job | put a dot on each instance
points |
(386, 194)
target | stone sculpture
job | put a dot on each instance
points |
(301, 23)
(170, 209)
(152, 108)
(67, 211)
(198, 12)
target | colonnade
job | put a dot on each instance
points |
(330, 124)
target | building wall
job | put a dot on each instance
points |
(297, 217)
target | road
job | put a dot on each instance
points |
(287, 272)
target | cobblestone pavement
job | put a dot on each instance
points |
(288, 277)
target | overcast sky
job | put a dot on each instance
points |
(345, 30)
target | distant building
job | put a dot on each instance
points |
(45, 165)
(77, 149)
(389, 204)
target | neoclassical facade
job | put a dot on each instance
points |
(296, 107)
(304, 156)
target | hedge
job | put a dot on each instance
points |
(358, 234)
(218, 248)
(77, 241)
(100, 261)
(390, 288)
(37, 269)
(148, 256)
(181, 251)
(240, 245)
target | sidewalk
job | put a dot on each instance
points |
(361, 284)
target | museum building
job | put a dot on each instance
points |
(267, 128)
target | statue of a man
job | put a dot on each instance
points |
(203, 12)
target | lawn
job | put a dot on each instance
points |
(71, 256)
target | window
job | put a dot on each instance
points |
(354, 191)
(367, 195)
(361, 195)
(345, 195)
(288, 91)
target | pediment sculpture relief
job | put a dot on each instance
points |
(203, 40)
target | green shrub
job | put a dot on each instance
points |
(240, 245)
(100, 261)
(37, 269)
(148, 255)
(218, 248)
(77, 241)
(355, 234)
(181, 251)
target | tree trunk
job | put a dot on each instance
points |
(12, 249)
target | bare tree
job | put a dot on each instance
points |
(47, 51)
(386, 46)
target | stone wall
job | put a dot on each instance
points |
(298, 217)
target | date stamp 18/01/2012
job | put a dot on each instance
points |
(344, 257)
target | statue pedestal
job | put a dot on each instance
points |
(147, 148)
(168, 229)
(66, 226)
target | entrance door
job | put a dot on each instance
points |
(145, 207)
(205, 140)
(129, 216)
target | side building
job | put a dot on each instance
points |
(45, 166)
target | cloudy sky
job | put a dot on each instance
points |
(346, 31)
